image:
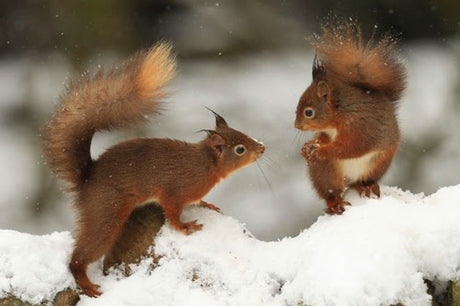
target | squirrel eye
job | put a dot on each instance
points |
(309, 112)
(239, 149)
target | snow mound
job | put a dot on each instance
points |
(34, 268)
(377, 253)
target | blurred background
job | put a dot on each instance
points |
(248, 60)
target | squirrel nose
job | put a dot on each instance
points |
(260, 150)
(297, 125)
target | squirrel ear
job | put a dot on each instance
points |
(323, 90)
(217, 142)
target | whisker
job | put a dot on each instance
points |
(305, 137)
(265, 177)
(297, 134)
(299, 138)
(269, 161)
(269, 166)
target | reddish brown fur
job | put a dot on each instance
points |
(169, 172)
(131, 96)
(136, 239)
(374, 64)
(353, 96)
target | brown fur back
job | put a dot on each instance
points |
(118, 98)
(373, 65)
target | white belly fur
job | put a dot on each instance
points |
(354, 169)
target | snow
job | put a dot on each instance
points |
(34, 268)
(377, 253)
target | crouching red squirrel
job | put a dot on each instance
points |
(351, 105)
(132, 173)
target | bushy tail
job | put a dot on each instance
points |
(373, 65)
(123, 96)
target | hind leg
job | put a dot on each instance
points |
(99, 228)
(367, 188)
(368, 185)
(326, 177)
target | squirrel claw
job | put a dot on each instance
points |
(310, 150)
(367, 189)
(336, 206)
(91, 290)
(209, 206)
(190, 227)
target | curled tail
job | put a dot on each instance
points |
(123, 96)
(340, 50)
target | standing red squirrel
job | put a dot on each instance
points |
(351, 105)
(132, 173)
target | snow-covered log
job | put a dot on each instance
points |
(379, 252)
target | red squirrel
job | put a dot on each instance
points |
(351, 105)
(132, 173)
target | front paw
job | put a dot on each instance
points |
(209, 206)
(310, 151)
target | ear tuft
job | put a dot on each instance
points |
(209, 132)
(318, 68)
(220, 121)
